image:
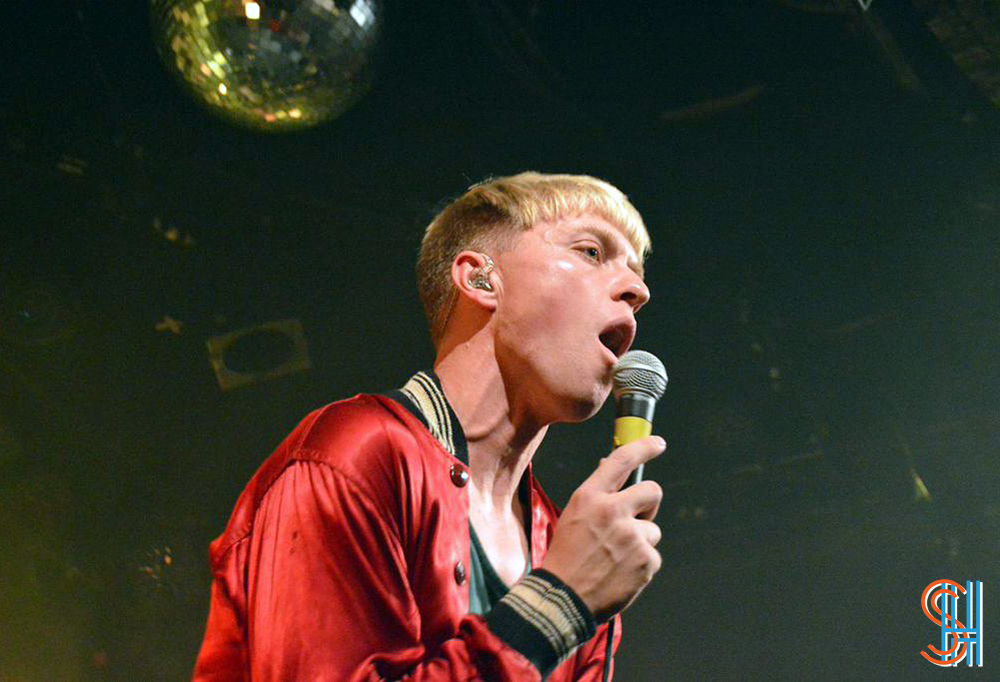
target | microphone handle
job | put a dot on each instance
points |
(635, 476)
(634, 421)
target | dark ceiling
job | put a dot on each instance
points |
(822, 187)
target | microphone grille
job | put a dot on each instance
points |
(639, 372)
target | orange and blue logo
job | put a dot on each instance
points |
(959, 641)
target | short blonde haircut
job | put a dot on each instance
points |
(491, 214)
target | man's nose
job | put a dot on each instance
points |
(631, 289)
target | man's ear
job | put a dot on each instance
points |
(475, 278)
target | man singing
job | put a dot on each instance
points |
(403, 536)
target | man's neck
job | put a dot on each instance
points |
(500, 445)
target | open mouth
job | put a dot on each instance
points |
(617, 338)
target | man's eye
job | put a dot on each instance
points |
(592, 252)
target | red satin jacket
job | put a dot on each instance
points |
(345, 559)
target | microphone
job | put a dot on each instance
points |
(639, 380)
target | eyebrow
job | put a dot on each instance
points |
(610, 244)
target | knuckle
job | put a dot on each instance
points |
(634, 534)
(655, 563)
(606, 513)
(582, 496)
(650, 563)
(652, 490)
(618, 532)
(620, 506)
(656, 490)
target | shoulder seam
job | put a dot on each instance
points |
(293, 459)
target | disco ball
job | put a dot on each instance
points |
(272, 64)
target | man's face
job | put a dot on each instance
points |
(566, 307)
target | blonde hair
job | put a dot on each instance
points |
(490, 215)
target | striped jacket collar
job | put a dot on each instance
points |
(423, 397)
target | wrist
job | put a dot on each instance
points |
(543, 618)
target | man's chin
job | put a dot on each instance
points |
(583, 408)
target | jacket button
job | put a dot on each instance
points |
(460, 573)
(459, 476)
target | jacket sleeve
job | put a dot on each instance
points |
(588, 660)
(328, 597)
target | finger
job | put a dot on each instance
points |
(614, 469)
(641, 500)
(651, 533)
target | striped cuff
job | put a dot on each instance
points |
(542, 618)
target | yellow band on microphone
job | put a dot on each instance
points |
(628, 429)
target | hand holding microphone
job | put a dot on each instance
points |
(604, 544)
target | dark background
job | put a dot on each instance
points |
(822, 188)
